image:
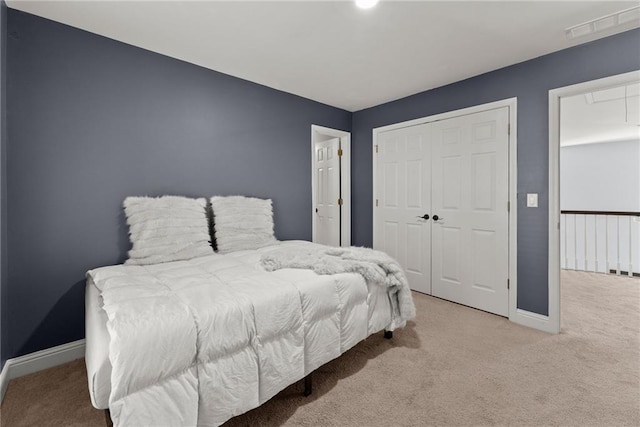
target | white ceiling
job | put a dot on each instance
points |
(606, 115)
(333, 52)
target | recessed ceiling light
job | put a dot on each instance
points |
(366, 4)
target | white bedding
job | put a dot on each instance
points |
(97, 348)
(198, 342)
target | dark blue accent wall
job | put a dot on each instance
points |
(530, 82)
(3, 183)
(91, 121)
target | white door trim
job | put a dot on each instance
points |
(345, 172)
(515, 315)
(554, 180)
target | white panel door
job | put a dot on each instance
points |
(470, 237)
(403, 172)
(327, 207)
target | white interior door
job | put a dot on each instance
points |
(403, 177)
(470, 238)
(455, 172)
(327, 192)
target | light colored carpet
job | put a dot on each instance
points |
(452, 366)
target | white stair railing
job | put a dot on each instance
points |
(600, 241)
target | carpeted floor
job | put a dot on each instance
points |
(452, 366)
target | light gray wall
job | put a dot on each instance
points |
(603, 177)
(530, 82)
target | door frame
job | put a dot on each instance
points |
(317, 132)
(553, 323)
(512, 104)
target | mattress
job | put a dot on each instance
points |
(97, 349)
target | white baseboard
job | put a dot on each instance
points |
(38, 361)
(4, 380)
(533, 320)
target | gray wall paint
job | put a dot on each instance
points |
(3, 193)
(601, 177)
(530, 82)
(91, 121)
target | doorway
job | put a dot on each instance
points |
(583, 237)
(442, 191)
(330, 186)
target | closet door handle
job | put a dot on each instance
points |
(425, 216)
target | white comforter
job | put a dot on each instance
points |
(198, 342)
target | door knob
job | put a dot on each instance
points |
(425, 216)
(435, 217)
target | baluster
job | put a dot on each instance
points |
(618, 245)
(606, 244)
(584, 229)
(630, 272)
(595, 239)
(575, 242)
(566, 250)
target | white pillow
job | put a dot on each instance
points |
(241, 223)
(167, 228)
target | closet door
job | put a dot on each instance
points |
(470, 234)
(403, 198)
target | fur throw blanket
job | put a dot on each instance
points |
(375, 266)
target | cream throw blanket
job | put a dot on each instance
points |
(375, 266)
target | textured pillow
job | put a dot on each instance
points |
(241, 223)
(168, 228)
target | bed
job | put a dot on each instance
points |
(199, 340)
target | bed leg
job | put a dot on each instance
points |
(107, 416)
(308, 385)
(388, 334)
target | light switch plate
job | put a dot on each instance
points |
(532, 200)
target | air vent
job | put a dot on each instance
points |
(625, 19)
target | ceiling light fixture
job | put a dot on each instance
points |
(628, 18)
(366, 4)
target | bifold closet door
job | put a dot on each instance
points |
(403, 175)
(470, 193)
